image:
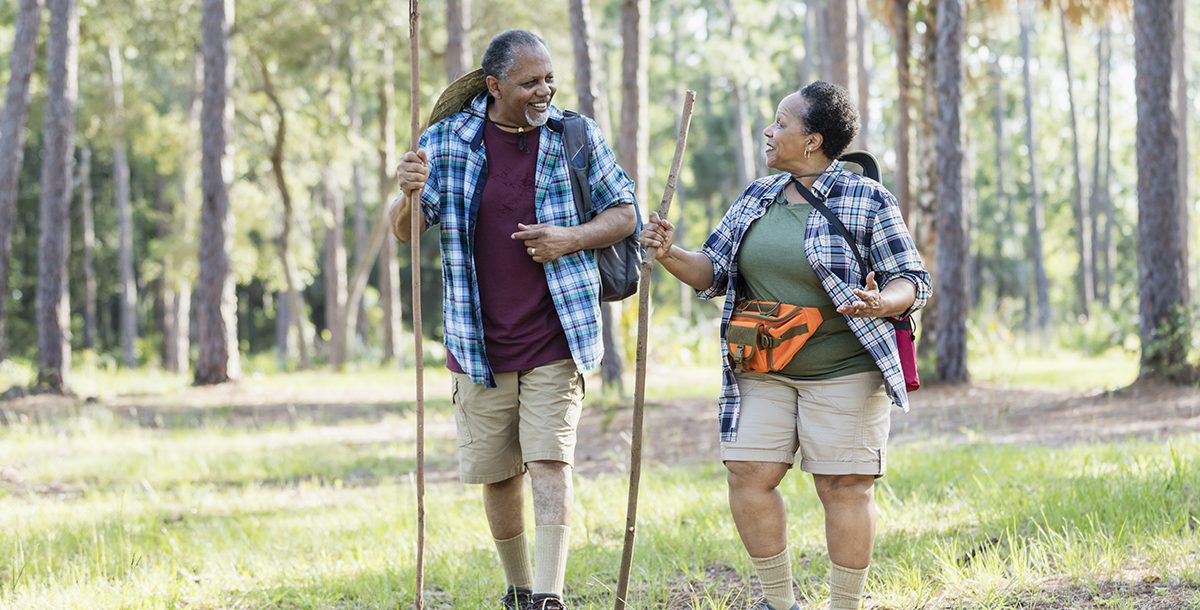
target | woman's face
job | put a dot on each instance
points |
(787, 139)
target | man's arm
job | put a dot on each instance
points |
(545, 242)
(411, 174)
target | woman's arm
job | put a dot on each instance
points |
(692, 268)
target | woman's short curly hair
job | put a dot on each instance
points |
(832, 114)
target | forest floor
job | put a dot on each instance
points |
(350, 424)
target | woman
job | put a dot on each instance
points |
(830, 404)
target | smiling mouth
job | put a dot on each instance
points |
(540, 106)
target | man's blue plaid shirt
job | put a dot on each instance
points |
(458, 172)
(872, 216)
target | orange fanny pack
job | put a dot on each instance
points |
(764, 336)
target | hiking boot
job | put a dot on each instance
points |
(516, 598)
(547, 601)
(763, 605)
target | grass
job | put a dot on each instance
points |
(97, 512)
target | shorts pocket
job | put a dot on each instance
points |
(461, 422)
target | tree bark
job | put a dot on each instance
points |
(1162, 266)
(87, 224)
(634, 138)
(356, 178)
(389, 268)
(863, 54)
(1179, 59)
(743, 136)
(808, 65)
(53, 312)
(1036, 219)
(178, 297)
(12, 140)
(953, 249)
(335, 257)
(128, 283)
(902, 189)
(585, 82)
(216, 301)
(283, 241)
(1109, 251)
(458, 41)
(1084, 288)
(838, 43)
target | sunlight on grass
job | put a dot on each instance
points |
(303, 515)
(1056, 369)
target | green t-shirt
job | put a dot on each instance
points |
(772, 267)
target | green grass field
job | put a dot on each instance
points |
(204, 508)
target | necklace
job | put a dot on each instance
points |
(521, 145)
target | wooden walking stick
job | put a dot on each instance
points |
(639, 392)
(418, 226)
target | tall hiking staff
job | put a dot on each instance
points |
(418, 225)
(639, 393)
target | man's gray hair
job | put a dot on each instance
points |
(501, 52)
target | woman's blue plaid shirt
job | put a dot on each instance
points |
(458, 172)
(872, 216)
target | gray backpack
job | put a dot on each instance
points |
(621, 263)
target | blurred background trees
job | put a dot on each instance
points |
(226, 172)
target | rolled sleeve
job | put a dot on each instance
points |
(894, 254)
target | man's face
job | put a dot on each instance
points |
(523, 96)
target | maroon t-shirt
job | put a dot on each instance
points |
(521, 329)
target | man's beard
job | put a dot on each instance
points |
(535, 118)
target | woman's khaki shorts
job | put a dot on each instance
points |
(835, 426)
(529, 416)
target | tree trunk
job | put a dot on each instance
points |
(808, 66)
(585, 83)
(820, 23)
(1036, 219)
(1179, 60)
(12, 140)
(216, 301)
(458, 42)
(128, 283)
(863, 43)
(1162, 266)
(178, 298)
(838, 43)
(903, 116)
(283, 322)
(335, 257)
(953, 249)
(1098, 152)
(356, 179)
(924, 216)
(634, 138)
(53, 312)
(283, 243)
(743, 136)
(1084, 288)
(1109, 252)
(87, 222)
(389, 268)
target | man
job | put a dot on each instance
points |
(521, 307)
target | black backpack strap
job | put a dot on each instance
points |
(833, 220)
(578, 152)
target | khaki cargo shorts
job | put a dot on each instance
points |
(529, 416)
(835, 426)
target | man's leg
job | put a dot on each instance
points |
(487, 420)
(551, 403)
(849, 502)
(503, 503)
(758, 512)
(553, 499)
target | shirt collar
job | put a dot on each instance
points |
(471, 129)
(824, 183)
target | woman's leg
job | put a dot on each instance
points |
(758, 512)
(849, 502)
